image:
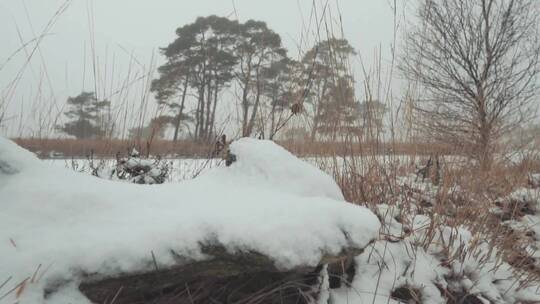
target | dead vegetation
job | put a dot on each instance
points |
(454, 197)
(108, 148)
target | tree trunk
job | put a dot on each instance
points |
(198, 116)
(317, 114)
(213, 116)
(483, 147)
(245, 107)
(209, 96)
(255, 108)
(273, 118)
(245, 101)
(180, 111)
(485, 156)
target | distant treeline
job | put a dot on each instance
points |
(222, 74)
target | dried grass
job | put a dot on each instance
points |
(108, 147)
(464, 196)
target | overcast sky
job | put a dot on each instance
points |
(125, 30)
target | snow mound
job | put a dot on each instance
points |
(57, 225)
(423, 257)
(13, 159)
(262, 161)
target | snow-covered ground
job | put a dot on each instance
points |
(186, 168)
(57, 225)
(438, 261)
(181, 168)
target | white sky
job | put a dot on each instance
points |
(62, 65)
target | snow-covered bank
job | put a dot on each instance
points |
(57, 225)
(425, 255)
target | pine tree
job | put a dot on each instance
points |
(87, 119)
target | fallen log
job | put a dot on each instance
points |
(247, 277)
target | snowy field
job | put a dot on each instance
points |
(181, 168)
(187, 168)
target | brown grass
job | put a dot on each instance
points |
(186, 148)
(463, 199)
(108, 148)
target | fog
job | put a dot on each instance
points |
(96, 45)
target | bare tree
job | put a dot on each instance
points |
(477, 63)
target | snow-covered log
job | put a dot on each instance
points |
(63, 232)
